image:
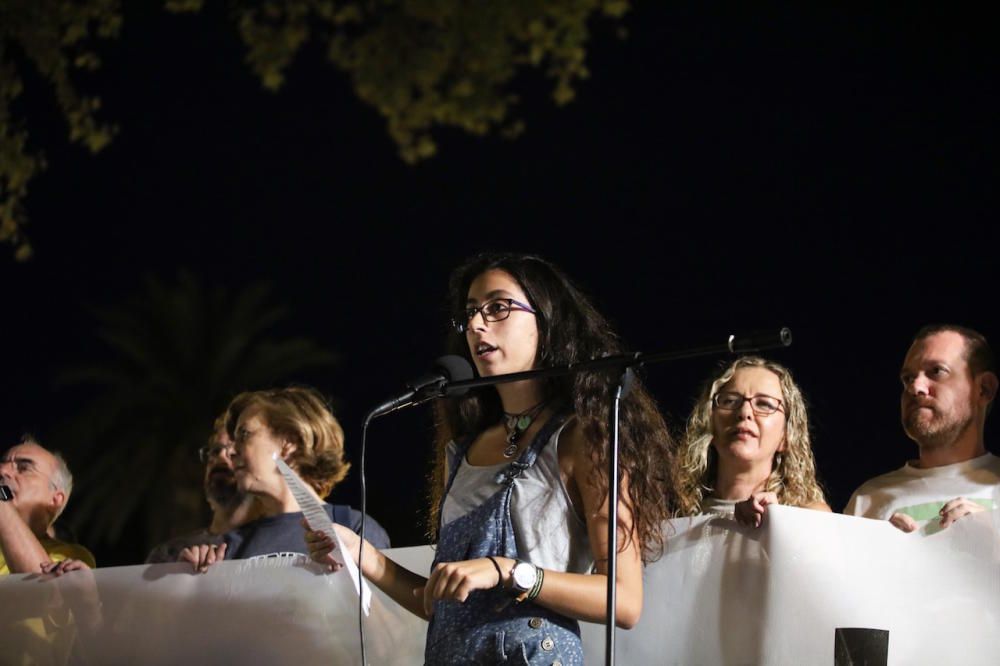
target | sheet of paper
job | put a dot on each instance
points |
(319, 521)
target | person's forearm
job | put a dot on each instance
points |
(585, 596)
(395, 580)
(21, 548)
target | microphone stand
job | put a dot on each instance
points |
(621, 390)
(734, 345)
(624, 364)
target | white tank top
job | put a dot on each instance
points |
(547, 530)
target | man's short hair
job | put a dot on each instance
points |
(978, 354)
(62, 478)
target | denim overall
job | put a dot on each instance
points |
(490, 627)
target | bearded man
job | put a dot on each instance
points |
(949, 383)
(231, 508)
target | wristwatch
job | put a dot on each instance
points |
(6, 494)
(523, 577)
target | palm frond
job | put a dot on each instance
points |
(173, 356)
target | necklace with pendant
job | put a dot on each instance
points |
(516, 424)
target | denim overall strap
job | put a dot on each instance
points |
(489, 627)
(497, 517)
(530, 454)
(513, 470)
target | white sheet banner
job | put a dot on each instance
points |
(280, 610)
(725, 594)
(806, 588)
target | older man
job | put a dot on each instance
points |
(35, 486)
(949, 383)
(230, 507)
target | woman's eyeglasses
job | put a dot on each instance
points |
(761, 404)
(206, 453)
(497, 309)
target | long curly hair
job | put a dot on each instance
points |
(570, 330)
(793, 471)
(301, 416)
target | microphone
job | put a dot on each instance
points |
(434, 384)
(758, 341)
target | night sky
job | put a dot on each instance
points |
(726, 168)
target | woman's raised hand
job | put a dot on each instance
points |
(751, 511)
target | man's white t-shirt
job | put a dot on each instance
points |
(920, 493)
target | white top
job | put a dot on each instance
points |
(920, 493)
(720, 506)
(547, 530)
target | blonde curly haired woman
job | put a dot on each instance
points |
(747, 446)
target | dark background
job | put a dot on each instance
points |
(726, 168)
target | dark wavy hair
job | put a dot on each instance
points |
(570, 330)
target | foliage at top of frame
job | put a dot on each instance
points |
(422, 64)
(54, 38)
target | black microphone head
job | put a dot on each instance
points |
(786, 336)
(741, 344)
(455, 369)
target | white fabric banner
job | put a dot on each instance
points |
(726, 594)
(722, 594)
(278, 610)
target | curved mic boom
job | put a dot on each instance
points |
(434, 384)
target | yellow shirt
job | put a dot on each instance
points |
(57, 551)
(50, 637)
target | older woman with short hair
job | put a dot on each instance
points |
(296, 424)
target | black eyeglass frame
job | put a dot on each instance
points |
(750, 399)
(460, 323)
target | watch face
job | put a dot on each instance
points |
(524, 576)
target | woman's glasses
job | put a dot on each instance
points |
(761, 404)
(206, 453)
(497, 309)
